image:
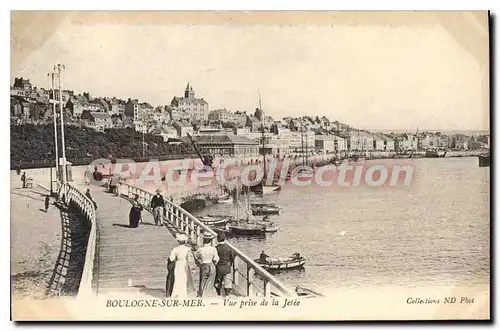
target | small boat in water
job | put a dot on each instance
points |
(247, 228)
(269, 226)
(212, 220)
(279, 264)
(262, 188)
(259, 209)
(306, 293)
(484, 160)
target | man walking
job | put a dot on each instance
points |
(223, 282)
(23, 179)
(47, 202)
(157, 205)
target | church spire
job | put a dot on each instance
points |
(189, 92)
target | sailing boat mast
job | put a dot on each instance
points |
(262, 129)
(237, 200)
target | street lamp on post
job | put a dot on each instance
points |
(59, 68)
(54, 114)
(51, 180)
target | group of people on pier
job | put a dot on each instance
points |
(157, 205)
(215, 264)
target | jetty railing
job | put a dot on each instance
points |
(249, 278)
(72, 196)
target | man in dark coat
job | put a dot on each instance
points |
(47, 203)
(223, 282)
(23, 179)
(157, 206)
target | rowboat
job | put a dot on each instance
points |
(259, 209)
(271, 227)
(306, 293)
(214, 220)
(249, 229)
(278, 264)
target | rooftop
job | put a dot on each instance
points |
(226, 139)
(102, 116)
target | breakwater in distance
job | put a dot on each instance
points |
(48, 163)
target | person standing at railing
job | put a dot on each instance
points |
(87, 194)
(135, 213)
(223, 282)
(158, 205)
(208, 258)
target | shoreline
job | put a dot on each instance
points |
(371, 155)
(178, 190)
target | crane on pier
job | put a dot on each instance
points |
(207, 160)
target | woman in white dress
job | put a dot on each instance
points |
(182, 273)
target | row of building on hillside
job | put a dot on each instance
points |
(293, 143)
(190, 115)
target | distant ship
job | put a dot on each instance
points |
(484, 160)
(434, 153)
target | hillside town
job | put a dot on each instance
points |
(222, 131)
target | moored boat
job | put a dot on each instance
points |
(214, 220)
(249, 229)
(268, 225)
(484, 160)
(306, 293)
(259, 209)
(262, 188)
(279, 264)
(434, 153)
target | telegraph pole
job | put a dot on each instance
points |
(59, 68)
(54, 114)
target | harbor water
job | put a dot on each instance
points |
(434, 232)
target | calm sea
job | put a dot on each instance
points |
(436, 232)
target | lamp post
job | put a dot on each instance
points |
(51, 180)
(54, 114)
(59, 68)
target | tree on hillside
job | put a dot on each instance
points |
(34, 142)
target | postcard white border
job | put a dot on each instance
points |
(187, 5)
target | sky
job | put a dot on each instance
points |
(421, 71)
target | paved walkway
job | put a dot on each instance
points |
(35, 240)
(125, 254)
